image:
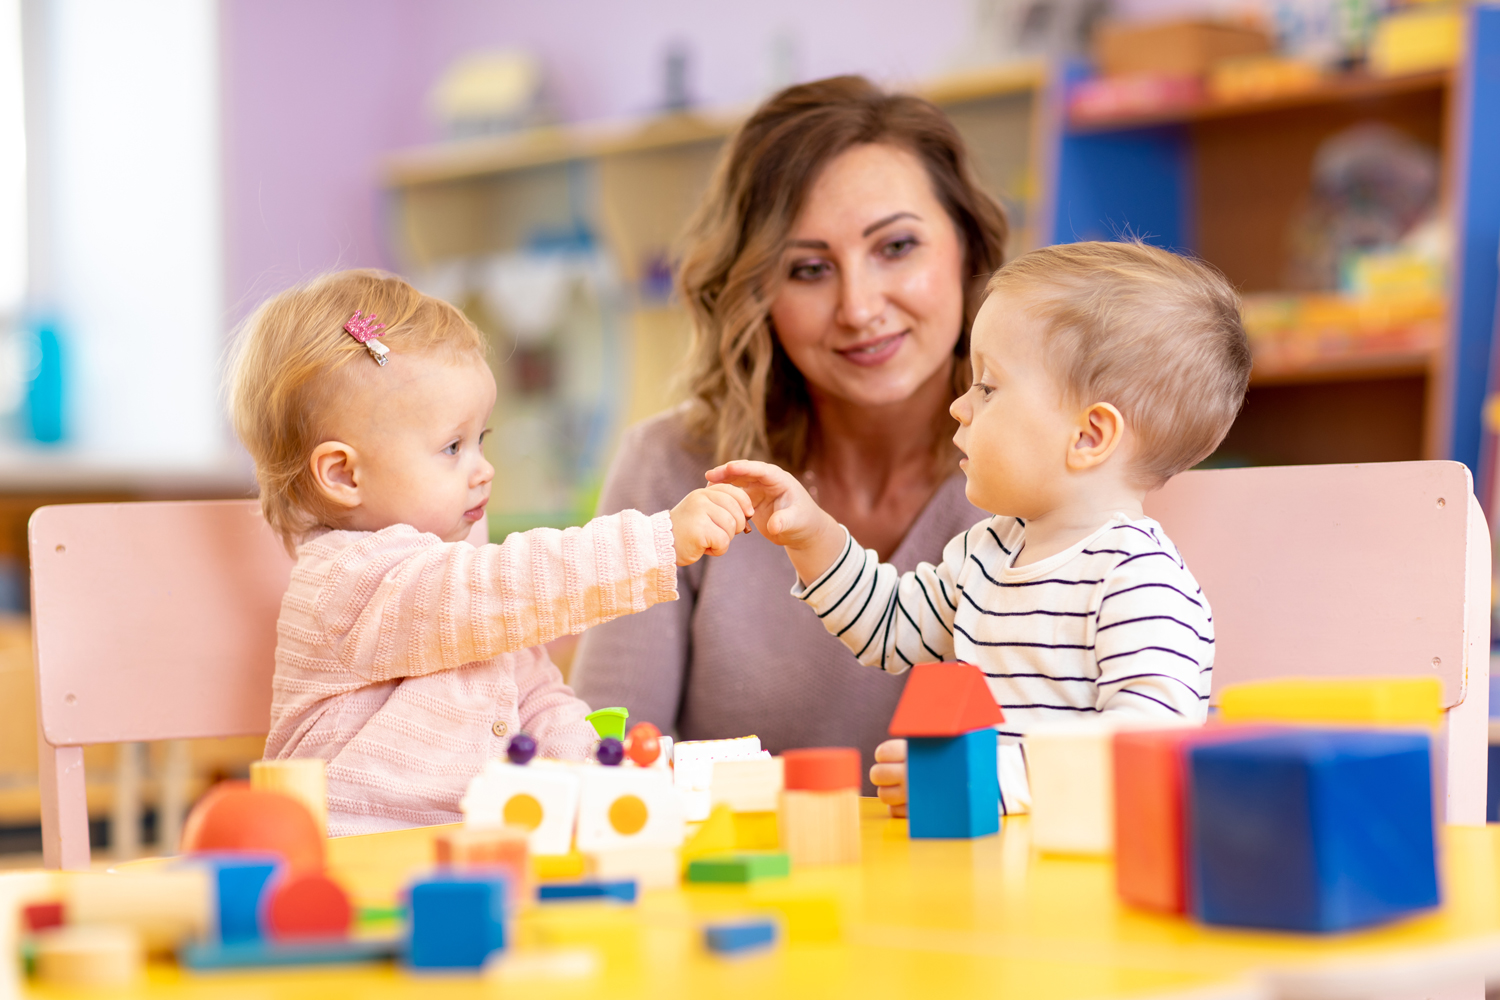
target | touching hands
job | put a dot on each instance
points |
(888, 775)
(706, 521)
(787, 515)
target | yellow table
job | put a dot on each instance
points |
(921, 919)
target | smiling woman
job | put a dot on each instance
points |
(833, 271)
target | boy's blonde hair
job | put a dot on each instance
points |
(1154, 333)
(283, 375)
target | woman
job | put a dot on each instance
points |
(832, 271)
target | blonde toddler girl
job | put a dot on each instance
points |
(405, 655)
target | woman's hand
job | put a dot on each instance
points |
(787, 515)
(889, 775)
(706, 521)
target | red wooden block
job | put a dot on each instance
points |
(945, 699)
(821, 769)
(40, 916)
(1150, 810)
(308, 906)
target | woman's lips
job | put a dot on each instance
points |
(873, 352)
(475, 513)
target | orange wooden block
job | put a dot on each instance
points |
(502, 847)
(309, 906)
(821, 769)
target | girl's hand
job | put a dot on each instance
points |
(706, 521)
(889, 775)
(787, 515)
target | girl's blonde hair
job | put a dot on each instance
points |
(747, 398)
(282, 375)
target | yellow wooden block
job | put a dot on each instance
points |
(820, 827)
(715, 835)
(557, 866)
(809, 918)
(103, 957)
(756, 831)
(612, 928)
(1392, 701)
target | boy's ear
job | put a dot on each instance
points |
(335, 473)
(1100, 430)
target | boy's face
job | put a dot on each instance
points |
(1013, 428)
(417, 426)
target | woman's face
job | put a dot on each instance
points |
(872, 294)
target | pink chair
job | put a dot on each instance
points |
(150, 621)
(1339, 570)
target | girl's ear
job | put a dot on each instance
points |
(1100, 430)
(335, 470)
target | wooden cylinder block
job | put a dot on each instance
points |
(820, 828)
(100, 957)
(303, 778)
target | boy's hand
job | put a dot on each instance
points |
(787, 515)
(889, 775)
(707, 520)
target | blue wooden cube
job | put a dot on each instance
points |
(1312, 830)
(952, 785)
(240, 883)
(456, 921)
(740, 935)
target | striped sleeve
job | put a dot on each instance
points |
(888, 619)
(1153, 639)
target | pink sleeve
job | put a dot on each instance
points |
(402, 604)
(550, 711)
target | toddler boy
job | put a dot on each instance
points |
(1101, 370)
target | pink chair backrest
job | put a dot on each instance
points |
(154, 620)
(1330, 570)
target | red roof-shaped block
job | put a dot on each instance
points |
(945, 699)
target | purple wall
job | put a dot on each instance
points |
(316, 90)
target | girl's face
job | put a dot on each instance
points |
(872, 295)
(413, 433)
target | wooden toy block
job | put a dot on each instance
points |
(1312, 830)
(270, 954)
(693, 769)
(612, 930)
(1383, 701)
(457, 921)
(952, 778)
(235, 817)
(240, 884)
(499, 847)
(757, 831)
(96, 957)
(1071, 774)
(41, 916)
(807, 918)
(744, 866)
(822, 769)
(609, 723)
(650, 867)
(165, 908)
(623, 890)
(557, 866)
(944, 699)
(953, 786)
(303, 778)
(628, 807)
(821, 828)
(715, 835)
(308, 906)
(734, 937)
(522, 969)
(750, 785)
(538, 797)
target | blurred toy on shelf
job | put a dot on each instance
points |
(491, 93)
(1182, 48)
(1421, 37)
(1261, 77)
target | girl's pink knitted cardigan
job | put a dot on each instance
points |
(407, 662)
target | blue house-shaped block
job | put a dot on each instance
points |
(946, 714)
(1312, 830)
(456, 921)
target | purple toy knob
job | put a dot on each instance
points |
(611, 751)
(521, 749)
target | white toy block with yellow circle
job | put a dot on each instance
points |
(628, 807)
(541, 797)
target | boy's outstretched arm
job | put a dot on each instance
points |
(787, 515)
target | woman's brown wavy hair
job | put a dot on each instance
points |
(747, 399)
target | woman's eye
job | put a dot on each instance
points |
(899, 247)
(808, 270)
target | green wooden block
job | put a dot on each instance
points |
(609, 722)
(745, 866)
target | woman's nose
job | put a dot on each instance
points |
(861, 299)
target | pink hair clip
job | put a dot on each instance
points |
(365, 330)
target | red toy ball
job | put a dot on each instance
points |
(643, 745)
(235, 817)
(308, 906)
